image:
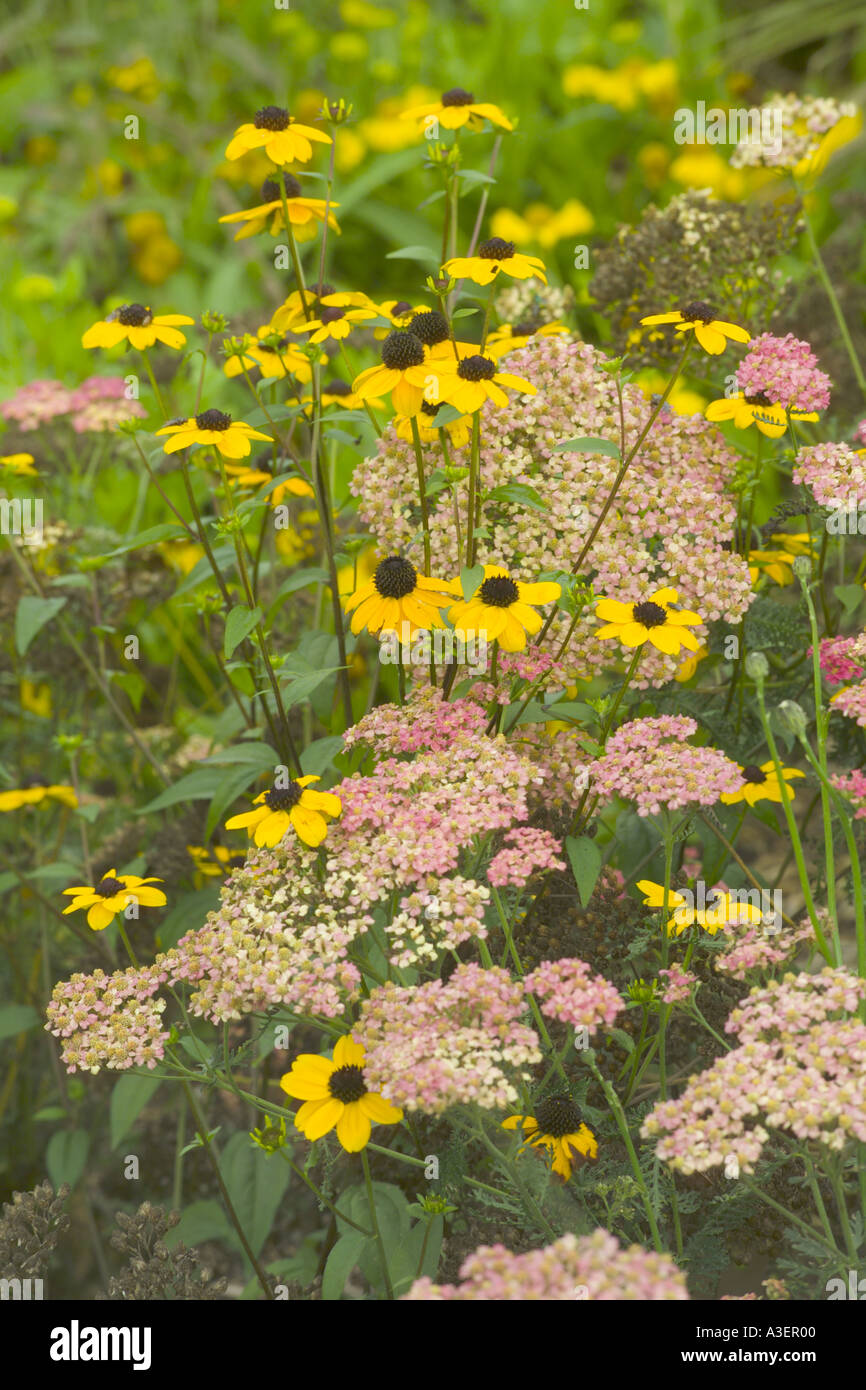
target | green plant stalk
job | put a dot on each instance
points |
(822, 721)
(473, 489)
(533, 1002)
(320, 1196)
(422, 492)
(622, 1125)
(383, 1259)
(831, 294)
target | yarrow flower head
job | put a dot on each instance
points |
(570, 993)
(679, 984)
(786, 372)
(798, 134)
(842, 658)
(650, 762)
(111, 1021)
(528, 851)
(835, 474)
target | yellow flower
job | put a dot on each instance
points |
(756, 410)
(335, 320)
(231, 438)
(500, 608)
(138, 79)
(721, 910)
(458, 108)
(304, 213)
(279, 134)
(705, 168)
(111, 895)
(398, 595)
(306, 811)
(214, 861)
(404, 373)
(399, 312)
(762, 784)
(775, 564)
(139, 325)
(19, 464)
(459, 430)
(697, 317)
(847, 128)
(541, 224)
(616, 88)
(557, 1127)
(508, 338)
(652, 620)
(34, 795)
(336, 1096)
(689, 664)
(492, 258)
(36, 699)
(467, 382)
(274, 356)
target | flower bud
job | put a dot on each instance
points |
(757, 667)
(792, 718)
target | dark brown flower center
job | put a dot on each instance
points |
(337, 388)
(401, 350)
(284, 798)
(133, 315)
(457, 97)
(650, 614)
(698, 311)
(108, 887)
(430, 407)
(431, 327)
(476, 368)
(558, 1116)
(499, 591)
(347, 1084)
(759, 398)
(753, 773)
(496, 249)
(332, 314)
(272, 118)
(401, 308)
(271, 188)
(212, 420)
(395, 577)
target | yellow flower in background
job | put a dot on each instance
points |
(797, 543)
(366, 16)
(653, 620)
(775, 564)
(759, 410)
(541, 224)
(700, 319)
(653, 160)
(492, 258)
(846, 129)
(689, 664)
(22, 465)
(459, 430)
(274, 355)
(136, 323)
(557, 1127)
(611, 88)
(702, 167)
(214, 861)
(682, 398)
(336, 1096)
(762, 784)
(138, 79)
(501, 608)
(113, 894)
(181, 555)
(335, 320)
(295, 807)
(506, 338)
(105, 177)
(350, 150)
(230, 437)
(298, 543)
(399, 312)
(35, 794)
(458, 108)
(36, 699)
(40, 149)
(305, 214)
(721, 909)
(279, 135)
(155, 255)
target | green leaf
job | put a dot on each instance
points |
(200, 1221)
(300, 687)
(414, 253)
(195, 786)
(239, 624)
(256, 1184)
(445, 415)
(587, 444)
(128, 1099)
(228, 791)
(167, 531)
(66, 1156)
(850, 596)
(301, 579)
(584, 856)
(250, 754)
(319, 755)
(574, 710)
(470, 579)
(31, 616)
(16, 1018)
(519, 493)
(340, 1263)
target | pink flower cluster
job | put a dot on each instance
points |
(753, 947)
(854, 787)
(573, 1268)
(649, 762)
(673, 517)
(440, 1044)
(680, 984)
(785, 369)
(528, 851)
(561, 759)
(851, 701)
(109, 1021)
(437, 918)
(834, 474)
(570, 993)
(800, 1067)
(842, 658)
(426, 723)
(99, 403)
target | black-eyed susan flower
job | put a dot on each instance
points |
(700, 318)
(22, 465)
(291, 487)
(404, 373)
(508, 338)
(214, 861)
(762, 784)
(336, 1096)
(274, 355)
(304, 213)
(297, 806)
(719, 909)
(557, 1127)
(279, 135)
(112, 894)
(500, 608)
(457, 108)
(231, 437)
(399, 313)
(398, 599)
(495, 257)
(459, 430)
(335, 321)
(35, 793)
(775, 564)
(467, 382)
(136, 323)
(653, 620)
(758, 410)
(689, 664)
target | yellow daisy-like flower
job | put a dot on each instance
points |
(495, 257)
(214, 861)
(398, 599)
(761, 784)
(459, 430)
(36, 699)
(292, 487)
(136, 323)
(458, 108)
(689, 664)
(557, 1127)
(336, 1096)
(500, 608)
(756, 410)
(404, 373)
(796, 542)
(292, 314)
(279, 135)
(847, 128)
(721, 910)
(467, 382)
(111, 895)
(399, 313)
(699, 318)
(335, 321)
(304, 213)
(775, 564)
(19, 464)
(339, 392)
(652, 620)
(34, 795)
(231, 438)
(306, 811)
(508, 338)
(274, 355)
